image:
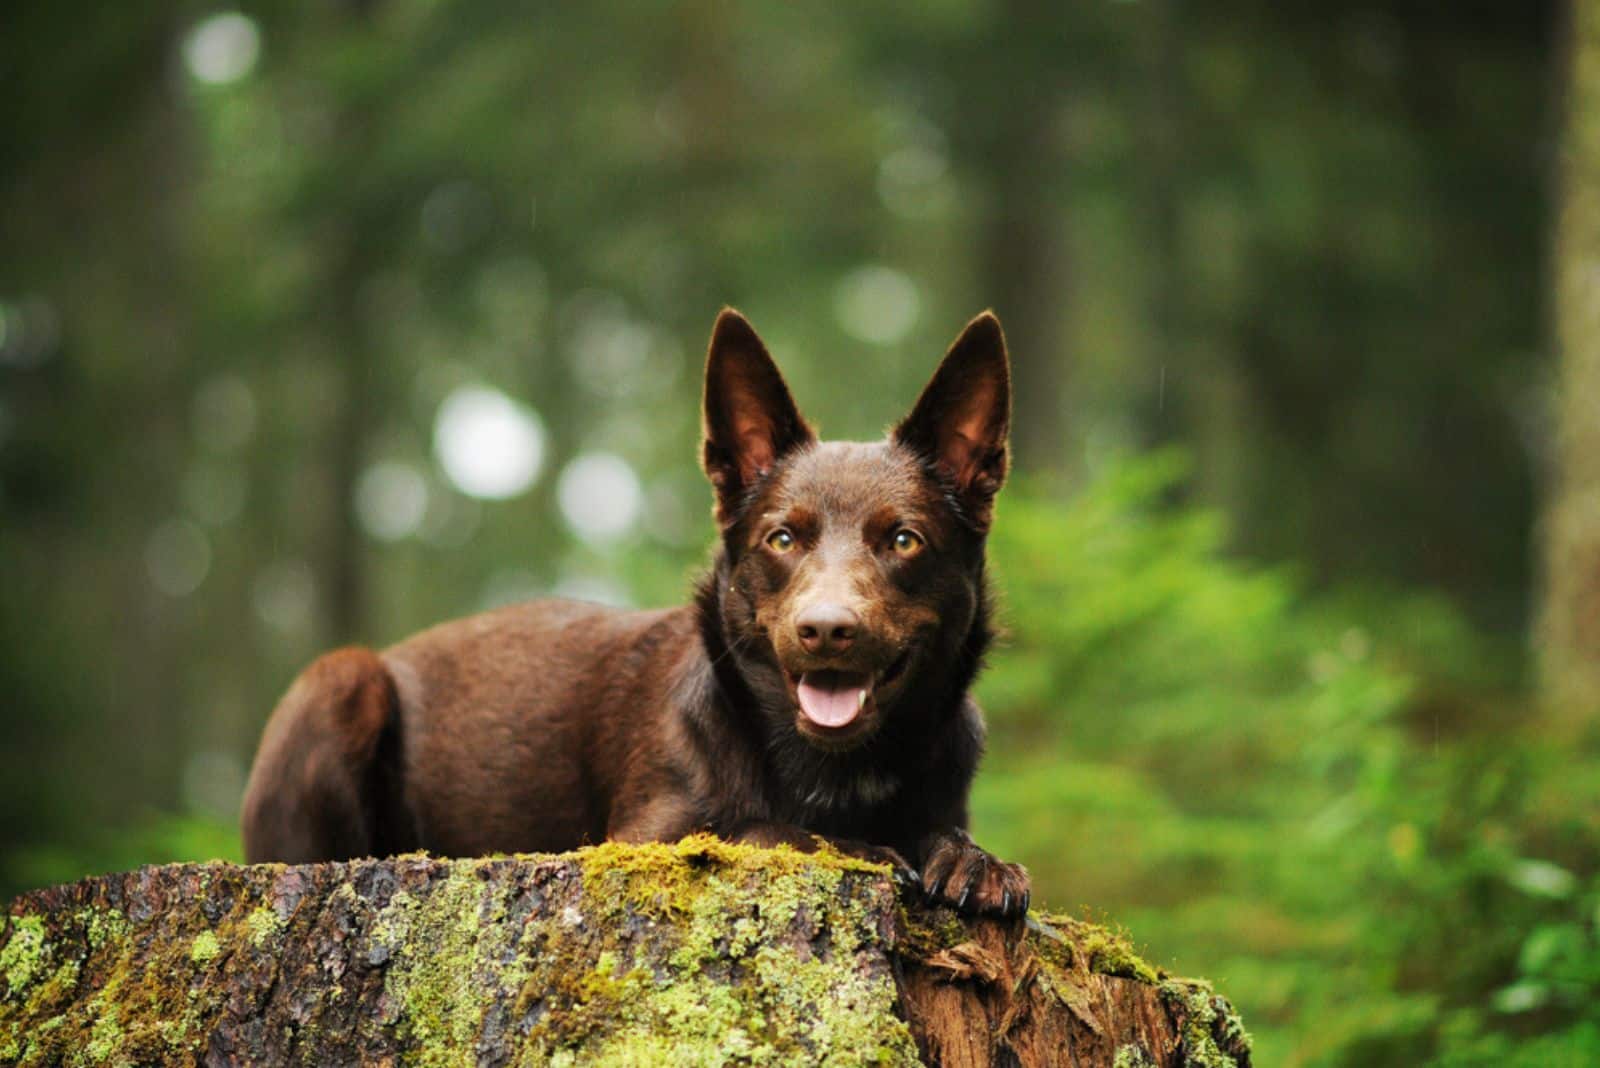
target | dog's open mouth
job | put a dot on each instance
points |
(834, 700)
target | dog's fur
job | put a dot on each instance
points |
(546, 725)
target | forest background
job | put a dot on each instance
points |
(325, 320)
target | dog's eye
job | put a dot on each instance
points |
(780, 541)
(908, 543)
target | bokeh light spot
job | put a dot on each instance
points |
(600, 497)
(489, 445)
(615, 355)
(391, 499)
(177, 557)
(877, 304)
(912, 180)
(284, 595)
(223, 48)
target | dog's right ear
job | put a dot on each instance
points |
(750, 419)
(962, 421)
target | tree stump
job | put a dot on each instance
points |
(695, 953)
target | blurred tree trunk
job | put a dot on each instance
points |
(1571, 612)
(1023, 260)
(1029, 282)
(93, 414)
(355, 235)
(1162, 412)
(343, 558)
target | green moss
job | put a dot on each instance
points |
(105, 1037)
(36, 981)
(1054, 948)
(205, 948)
(1205, 1018)
(1208, 1026)
(1106, 952)
(705, 850)
(450, 956)
(146, 1006)
(24, 954)
(663, 878)
(926, 931)
(263, 925)
(1111, 954)
(1132, 1056)
(698, 952)
(102, 925)
(702, 949)
(758, 956)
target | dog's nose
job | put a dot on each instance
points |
(827, 629)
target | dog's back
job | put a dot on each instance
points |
(464, 732)
(551, 701)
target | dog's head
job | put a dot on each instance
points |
(851, 570)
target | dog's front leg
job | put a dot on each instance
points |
(956, 871)
(772, 833)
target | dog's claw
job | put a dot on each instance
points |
(1005, 902)
(961, 902)
(1027, 896)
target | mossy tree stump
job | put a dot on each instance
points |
(694, 953)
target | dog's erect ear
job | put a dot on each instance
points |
(750, 418)
(962, 419)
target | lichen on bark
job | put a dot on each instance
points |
(700, 952)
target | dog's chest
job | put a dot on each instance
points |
(841, 793)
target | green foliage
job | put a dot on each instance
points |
(152, 839)
(1304, 241)
(1283, 790)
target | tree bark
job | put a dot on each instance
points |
(695, 953)
(1570, 623)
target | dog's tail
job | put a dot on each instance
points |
(326, 782)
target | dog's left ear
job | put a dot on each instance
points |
(961, 422)
(750, 419)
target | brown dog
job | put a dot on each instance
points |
(817, 685)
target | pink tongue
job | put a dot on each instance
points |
(830, 699)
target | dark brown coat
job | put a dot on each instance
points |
(817, 685)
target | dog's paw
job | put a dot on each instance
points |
(958, 873)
